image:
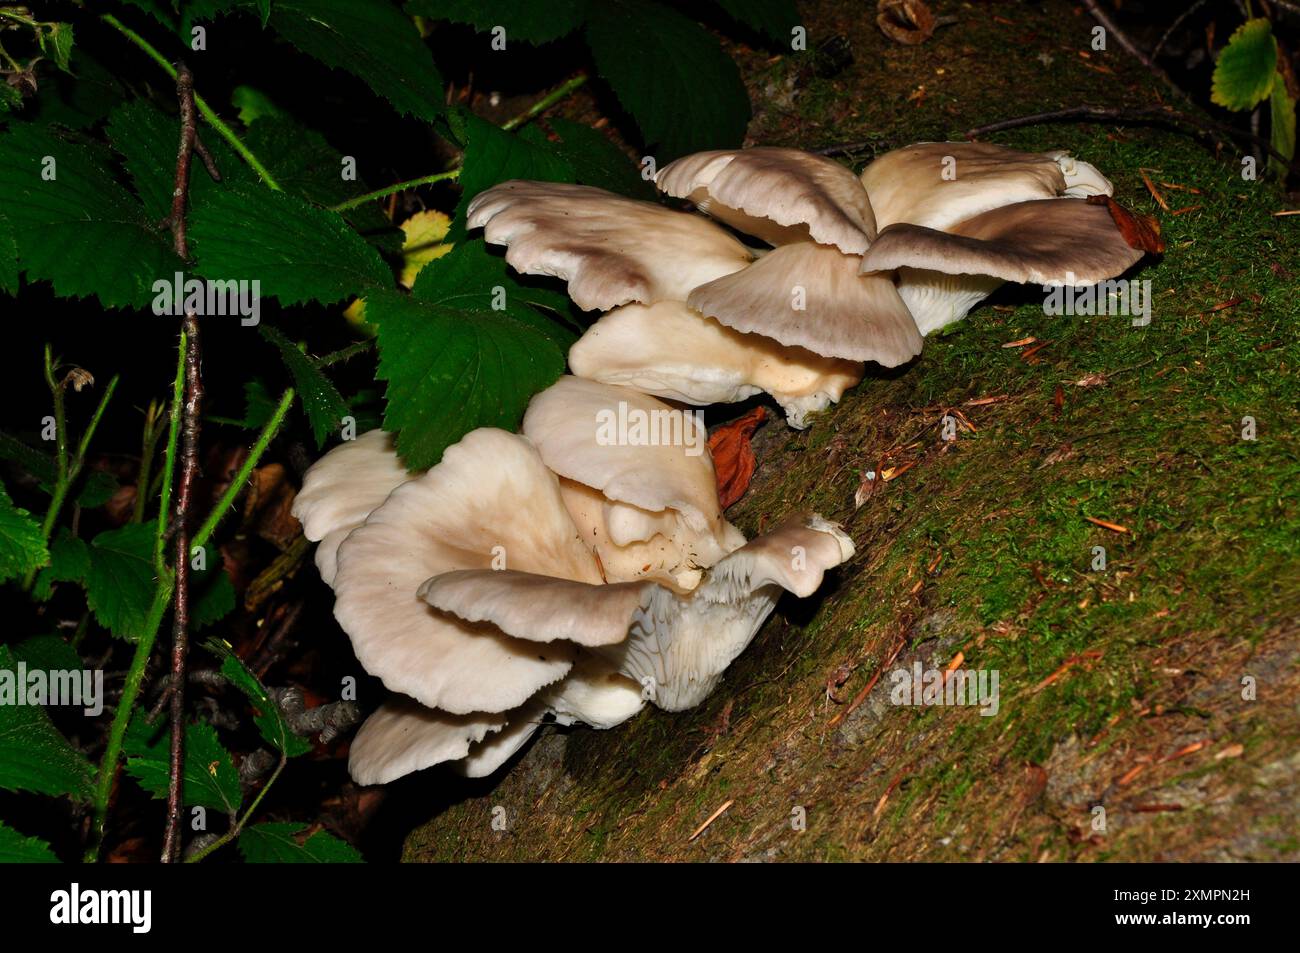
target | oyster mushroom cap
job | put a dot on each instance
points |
(670, 350)
(609, 249)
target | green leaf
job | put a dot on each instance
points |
(371, 39)
(1243, 74)
(80, 230)
(298, 252)
(277, 843)
(49, 652)
(305, 164)
(321, 401)
(208, 778)
(120, 580)
(468, 277)
(34, 756)
(525, 20)
(493, 155)
(77, 101)
(213, 593)
(56, 43)
(270, 718)
(69, 562)
(595, 159)
(1281, 125)
(775, 19)
(135, 130)
(253, 104)
(22, 544)
(8, 257)
(35, 462)
(96, 489)
(450, 370)
(17, 849)
(674, 79)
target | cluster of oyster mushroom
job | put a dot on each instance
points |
(568, 573)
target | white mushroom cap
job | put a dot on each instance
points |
(804, 195)
(633, 448)
(490, 490)
(1039, 242)
(844, 315)
(938, 184)
(670, 350)
(678, 646)
(610, 250)
(403, 736)
(341, 488)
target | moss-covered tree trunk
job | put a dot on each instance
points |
(1146, 710)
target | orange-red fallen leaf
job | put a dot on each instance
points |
(861, 696)
(1028, 355)
(733, 457)
(893, 473)
(712, 817)
(1186, 209)
(1107, 524)
(982, 401)
(1153, 808)
(909, 22)
(1140, 231)
(1021, 342)
(884, 798)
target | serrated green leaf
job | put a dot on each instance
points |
(213, 594)
(269, 718)
(1281, 124)
(56, 43)
(450, 370)
(161, 10)
(97, 489)
(253, 104)
(76, 101)
(595, 159)
(305, 164)
(468, 277)
(772, 18)
(1243, 74)
(297, 251)
(370, 39)
(17, 849)
(321, 401)
(277, 843)
(673, 78)
(493, 155)
(135, 129)
(69, 562)
(34, 756)
(208, 779)
(48, 652)
(80, 230)
(22, 545)
(120, 580)
(524, 20)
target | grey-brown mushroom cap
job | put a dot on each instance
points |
(490, 498)
(812, 296)
(1049, 241)
(403, 736)
(937, 184)
(342, 488)
(785, 187)
(610, 250)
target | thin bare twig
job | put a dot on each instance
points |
(1154, 115)
(190, 412)
(1122, 39)
(1182, 17)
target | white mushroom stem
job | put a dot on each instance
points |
(675, 646)
(672, 351)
